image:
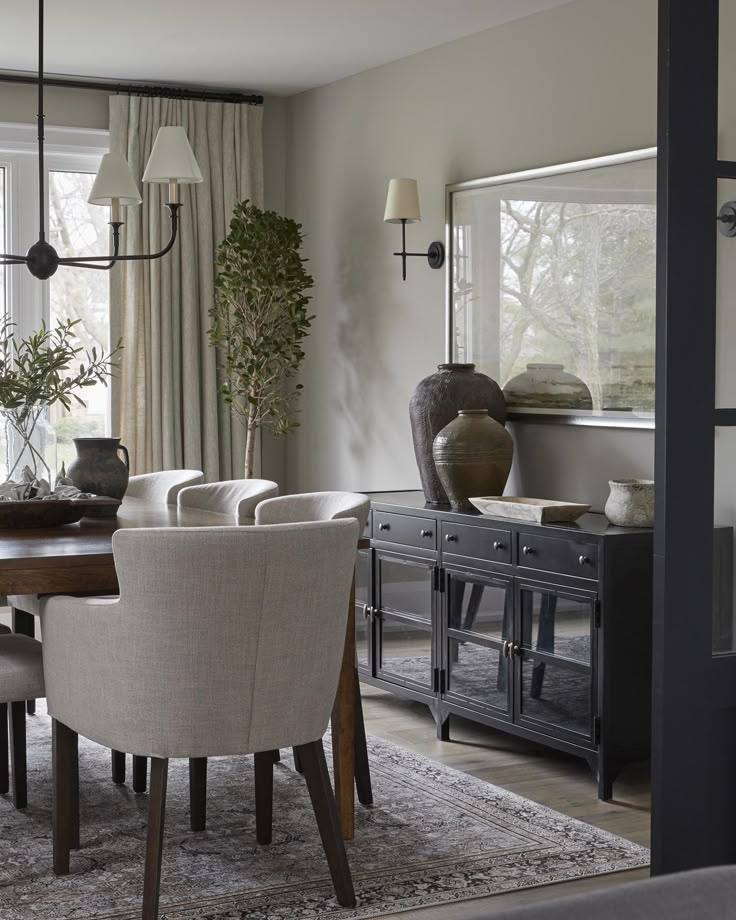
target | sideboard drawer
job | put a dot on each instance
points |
(401, 528)
(477, 542)
(554, 555)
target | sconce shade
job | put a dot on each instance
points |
(402, 202)
(172, 158)
(114, 180)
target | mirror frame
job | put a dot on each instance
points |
(615, 159)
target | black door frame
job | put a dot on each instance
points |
(694, 692)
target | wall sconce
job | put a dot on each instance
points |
(402, 207)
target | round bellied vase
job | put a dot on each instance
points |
(547, 386)
(98, 469)
(473, 457)
(631, 503)
(435, 402)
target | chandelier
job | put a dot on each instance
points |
(171, 162)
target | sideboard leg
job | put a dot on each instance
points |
(443, 728)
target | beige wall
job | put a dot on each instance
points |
(574, 82)
(68, 108)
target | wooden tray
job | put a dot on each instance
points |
(53, 513)
(539, 510)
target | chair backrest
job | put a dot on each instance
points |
(225, 640)
(162, 487)
(314, 506)
(236, 497)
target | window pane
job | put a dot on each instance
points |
(3, 300)
(77, 229)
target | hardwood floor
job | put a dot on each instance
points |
(546, 776)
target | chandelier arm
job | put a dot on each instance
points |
(173, 212)
(12, 260)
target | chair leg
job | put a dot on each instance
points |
(264, 795)
(155, 837)
(4, 729)
(277, 756)
(362, 767)
(312, 756)
(197, 793)
(118, 767)
(64, 745)
(18, 753)
(24, 624)
(297, 762)
(140, 771)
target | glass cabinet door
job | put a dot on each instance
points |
(404, 631)
(362, 601)
(555, 660)
(480, 625)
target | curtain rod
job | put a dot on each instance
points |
(134, 89)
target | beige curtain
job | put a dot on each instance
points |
(165, 401)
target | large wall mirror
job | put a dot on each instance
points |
(551, 288)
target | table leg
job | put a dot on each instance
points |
(343, 729)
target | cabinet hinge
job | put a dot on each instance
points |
(435, 680)
(597, 614)
(443, 681)
(597, 730)
(439, 579)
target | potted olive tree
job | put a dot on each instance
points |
(260, 319)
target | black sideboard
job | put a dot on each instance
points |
(543, 631)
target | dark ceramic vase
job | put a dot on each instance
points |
(98, 469)
(473, 457)
(436, 402)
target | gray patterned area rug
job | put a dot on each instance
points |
(434, 836)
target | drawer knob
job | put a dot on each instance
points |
(527, 550)
(451, 538)
(497, 545)
(426, 533)
(384, 527)
(584, 560)
(516, 650)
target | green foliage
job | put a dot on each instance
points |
(260, 317)
(42, 370)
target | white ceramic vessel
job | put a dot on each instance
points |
(631, 502)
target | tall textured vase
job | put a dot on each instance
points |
(473, 457)
(435, 402)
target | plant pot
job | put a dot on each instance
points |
(631, 503)
(473, 457)
(98, 469)
(435, 402)
(547, 386)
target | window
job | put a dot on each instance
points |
(73, 228)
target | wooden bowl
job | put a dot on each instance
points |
(53, 513)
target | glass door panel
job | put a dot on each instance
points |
(405, 652)
(362, 600)
(479, 625)
(405, 586)
(555, 661)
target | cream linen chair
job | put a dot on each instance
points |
(263, 675)
(235, 497)
(162, 487)
(328, 506)
(21, 678)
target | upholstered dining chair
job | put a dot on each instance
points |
(21, 678)
(154, 487)
(263, 675)
(237, 498)
(328, 506)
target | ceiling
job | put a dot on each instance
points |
(273, 46)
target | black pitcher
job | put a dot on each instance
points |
(97, 467)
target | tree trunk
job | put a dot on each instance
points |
(250, 444)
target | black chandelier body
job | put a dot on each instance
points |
(42, 260)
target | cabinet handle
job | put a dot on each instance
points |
(506, 648)
(426, 533)
(384, 527)
(497, 545)
(584, 560)
(367, 611)
(451, 538)
(527, 550)
(516, 650)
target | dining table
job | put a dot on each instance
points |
(77, 559)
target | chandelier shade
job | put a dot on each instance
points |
(172, 160)
(172, 157)
(114, 181)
